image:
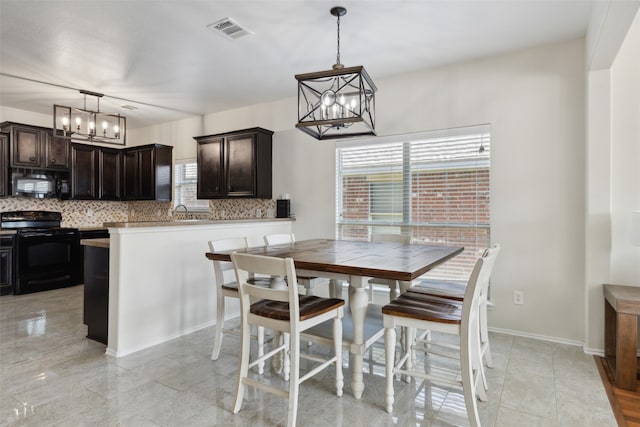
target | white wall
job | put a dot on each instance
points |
(625, 157)
(534, 101)
(613, 178)
(8, 114)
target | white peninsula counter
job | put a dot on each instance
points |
(161, 286)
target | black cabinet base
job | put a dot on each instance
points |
(96, 293)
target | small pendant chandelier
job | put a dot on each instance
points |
(337, 103)
(89, 125)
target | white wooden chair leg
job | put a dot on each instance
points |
(277, 359)
(260, 348)
(468, 382)
(337, 348)
(294, 383)
(286, 363)
(243, 368)
(389, 356)
(217, 341)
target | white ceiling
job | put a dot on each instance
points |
(160, 57)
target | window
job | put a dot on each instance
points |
(432, 185)
(185, 186)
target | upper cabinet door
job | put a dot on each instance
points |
(83, 172)
(25, 147)
(130, 175)
(210, 172)
(4, 164)
(241, 166)
(109, 169)
(146, 174)
(57, 152)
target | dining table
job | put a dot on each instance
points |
(356, 262)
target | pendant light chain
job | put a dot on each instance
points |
(338, 56)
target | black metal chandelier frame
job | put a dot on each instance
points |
(336, 103)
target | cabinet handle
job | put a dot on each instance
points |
(53, 161)
(32, 159)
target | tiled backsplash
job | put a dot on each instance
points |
(88, 213)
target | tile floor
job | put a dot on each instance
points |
(51, 375)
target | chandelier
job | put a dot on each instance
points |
(88, 125)
(336, 103)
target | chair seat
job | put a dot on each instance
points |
(310, 306)
(444, 288)
(425, 307)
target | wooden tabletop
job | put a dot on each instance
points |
(385, 260)
(623, 299)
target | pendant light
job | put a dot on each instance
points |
(337, 103)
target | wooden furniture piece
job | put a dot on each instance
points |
(147, 172)
(280, 309)
(621, 311)
(6, 264)
(356, 262)
(308, 282)
(4, 164)
(455, 290)
(96, 288)
(34, 147)
(95, 172)
(227, 287)
(394, 286)
(235, 164)
(419, 311)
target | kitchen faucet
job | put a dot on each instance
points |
(186, 211)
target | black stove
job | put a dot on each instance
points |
(47, 256)
(20, 220)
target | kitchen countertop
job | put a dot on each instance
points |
(189, 222)
(99, 243)
(7, 232)
(95, 228)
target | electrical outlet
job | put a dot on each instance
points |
(518, 297)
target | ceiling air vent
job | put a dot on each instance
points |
(229, 28)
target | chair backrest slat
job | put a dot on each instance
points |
(279, 239)
(391, 237)
(247, 265)
(220, 267)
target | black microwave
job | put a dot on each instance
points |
(33, 185)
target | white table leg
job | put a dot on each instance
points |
(404, 286)
(358, 303)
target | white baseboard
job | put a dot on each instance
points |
(537, 337)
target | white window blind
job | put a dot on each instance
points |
(433, 186)
(186, 186)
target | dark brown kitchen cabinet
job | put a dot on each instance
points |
(83, 171)
(147, 172)
(109, 172)
(210, 173)
(96, 292)
(235, 164)
(6, 264)
(34, 147)
(4, 164)
(95, 172)
(56, 153)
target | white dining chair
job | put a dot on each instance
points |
(308, 282)
(227, 287)
(281, 309)
(393, 285)
(419, 311)
(452, 289)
